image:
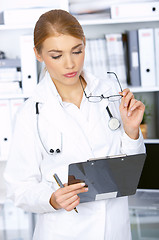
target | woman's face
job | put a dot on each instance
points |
(64, 58)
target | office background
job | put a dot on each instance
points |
(122, 36)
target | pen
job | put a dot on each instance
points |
(57, 179)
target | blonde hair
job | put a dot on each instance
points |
(56, 22)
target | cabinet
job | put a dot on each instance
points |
(94, 28)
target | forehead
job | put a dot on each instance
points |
(61, 42)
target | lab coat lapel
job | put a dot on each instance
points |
(52, 114)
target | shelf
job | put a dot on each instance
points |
(156, 141)
(144, 89)
(117, 21)
(85, 22)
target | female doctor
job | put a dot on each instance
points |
(65, 121)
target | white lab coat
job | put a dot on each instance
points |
(80, 134)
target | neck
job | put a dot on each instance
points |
(71, 93)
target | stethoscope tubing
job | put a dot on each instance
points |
(113, 124)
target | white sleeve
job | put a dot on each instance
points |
(22, 174)
(131, 146)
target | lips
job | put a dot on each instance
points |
(69, 75)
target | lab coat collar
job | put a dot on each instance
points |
(94, 85)
(47, 94)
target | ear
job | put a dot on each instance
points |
(37, 55)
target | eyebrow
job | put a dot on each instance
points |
(59, 51)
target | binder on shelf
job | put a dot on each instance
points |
(8, 110)
(147, 57)
(28, 64)
(13, 87)
(94, 56)
(101, 52)
(10, 74)
(133, 10)
(14, 106)
(87, 61)
(95, 60)
(116, 58)
(10, 63)
(133, 58)
(20, 16)
(156, 36)
(89, 7)
(5, 129)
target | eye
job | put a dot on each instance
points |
(56, 57)
(77, 52)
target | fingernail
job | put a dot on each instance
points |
(129, 114)
(83, 184)
(86, 189)
(125, 105)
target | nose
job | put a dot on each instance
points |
(69, 62)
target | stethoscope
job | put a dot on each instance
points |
(51, 150)
(113, 122)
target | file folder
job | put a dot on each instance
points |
(116, 56)
(133, 55)
(5, 129)
(28, 64)
(108, 177)
(134, 10)
(147, 57)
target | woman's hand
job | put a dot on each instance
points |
(131, 111)
(67, 197)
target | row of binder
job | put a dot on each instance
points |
(14, 222)
(8, 109)
(20, 75)
(143, 54)
(135, 59)
(116, 9)
(10, 76)
(133, 9)
(107, 54)
(133, 56)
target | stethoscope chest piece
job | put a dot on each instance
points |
(113, 123)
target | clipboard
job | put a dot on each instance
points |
(108, 177)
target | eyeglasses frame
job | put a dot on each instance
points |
(101, 97)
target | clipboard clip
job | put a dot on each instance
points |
(116, 156)
(107, 157)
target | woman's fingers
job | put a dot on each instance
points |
(72, 205)
(70, 188)
(67, 197)
(131, 111)
(72, 201)
(68, 194)
(125, 101)
(135, 105)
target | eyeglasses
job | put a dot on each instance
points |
(111, 98)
